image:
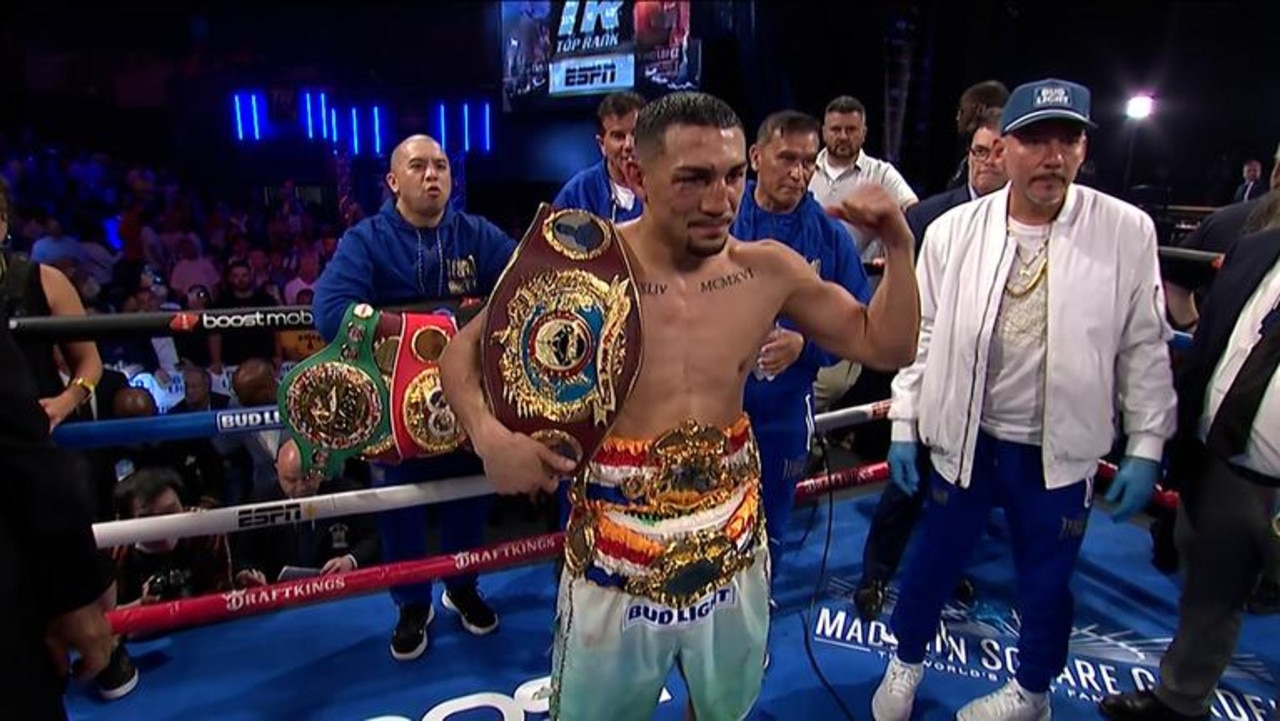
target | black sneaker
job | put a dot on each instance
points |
(473, 612)
(869, 598)
(409, 640)
(119, 678)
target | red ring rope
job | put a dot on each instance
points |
(213, 608)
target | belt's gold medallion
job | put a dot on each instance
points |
(548, 347)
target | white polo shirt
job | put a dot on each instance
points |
(830, 185)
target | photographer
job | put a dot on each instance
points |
(157, 571)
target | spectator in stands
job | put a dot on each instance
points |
(236, 347)
(56, 246)
(1252, 187)
(328, 244)
(98, 259)
(308, 274)
(158, 571)
(263, 278)
(1216, 234)
(602, 188)
(254, 384)
(322, 547)
(192, 268)
(193, 349)
(197, 394)
(294, 346)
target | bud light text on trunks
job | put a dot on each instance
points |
(657, 616)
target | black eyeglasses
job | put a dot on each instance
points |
(979, 152)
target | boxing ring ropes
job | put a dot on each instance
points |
(230, 605)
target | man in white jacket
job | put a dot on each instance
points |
(1042, 316)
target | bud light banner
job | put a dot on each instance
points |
(566, 48)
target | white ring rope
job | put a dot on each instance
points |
(233, 519)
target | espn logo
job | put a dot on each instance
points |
(600, 73)
(269, 515)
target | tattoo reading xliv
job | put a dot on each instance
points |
(647, 288)
(728, 281)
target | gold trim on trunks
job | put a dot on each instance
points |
(545, 364)
(427, 416)
(693, 567)
(580, 542)
(690, 472)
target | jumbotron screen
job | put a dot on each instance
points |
(554, 49)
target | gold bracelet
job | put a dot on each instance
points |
(85, 384)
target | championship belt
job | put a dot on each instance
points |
(334, 403)
(561, 344)
(407, 352)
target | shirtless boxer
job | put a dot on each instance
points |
(677, 569)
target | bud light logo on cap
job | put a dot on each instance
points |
(1052, 95)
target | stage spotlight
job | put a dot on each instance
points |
(1140, 107)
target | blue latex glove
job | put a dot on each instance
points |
(902, 467)
(1132, 487)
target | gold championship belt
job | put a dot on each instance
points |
(422, 424)
(561, 343)
(373, 392)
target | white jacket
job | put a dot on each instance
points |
(1107, 336)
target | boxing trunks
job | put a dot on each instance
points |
(666, 563)
(374, 392)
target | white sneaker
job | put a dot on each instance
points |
(897, 691)
(1011, 703)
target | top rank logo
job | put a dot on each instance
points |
(597, 29)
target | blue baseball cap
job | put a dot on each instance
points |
(1048, 99)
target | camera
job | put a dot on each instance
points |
(170, 584)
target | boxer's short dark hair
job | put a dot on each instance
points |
(683, 108)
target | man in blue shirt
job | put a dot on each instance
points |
(778, 206)
(418, 249)
(602, 188)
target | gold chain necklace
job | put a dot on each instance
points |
(1035, 271)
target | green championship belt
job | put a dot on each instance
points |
(334, 403)
(561, 346)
